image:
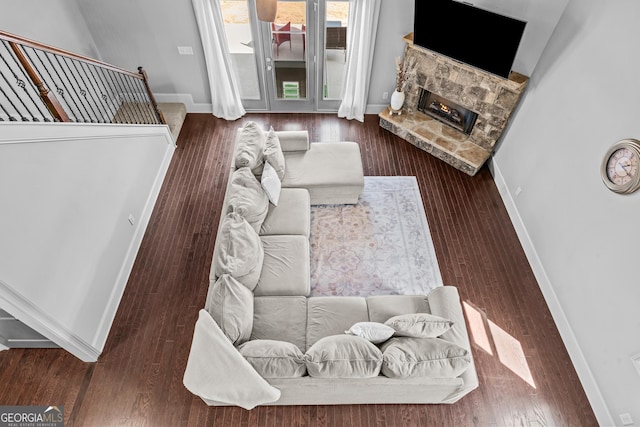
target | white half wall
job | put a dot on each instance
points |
(581, 238)
(68, 192)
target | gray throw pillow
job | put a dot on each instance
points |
(231, 306)
(250, 146)
(274, 359)
(239, 251)
(247, 198)
(343, 356)
(419, 325)
(423, 357)
(273, 153)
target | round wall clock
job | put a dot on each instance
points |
(621, 167)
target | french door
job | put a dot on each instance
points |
(293, 64)
(288, 49)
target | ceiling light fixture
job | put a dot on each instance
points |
(267, 10)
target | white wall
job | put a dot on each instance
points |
(67, 247)
(54, 22)
(582, 98)
(147, 33)
(396, 20)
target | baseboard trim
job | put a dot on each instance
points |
(193, 107)
(564, 327)
(375, 108)
(21, 308)
(186, 99)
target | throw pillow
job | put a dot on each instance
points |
(419, 325)
(239, 251)
(423, 357)
(250, 146)
(247, 198)
(231, 306)
(273, 153)
(343, 356)
(271, 183)
(274, 359)
(371, 331)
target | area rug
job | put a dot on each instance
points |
(381, 246)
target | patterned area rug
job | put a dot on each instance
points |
(381, 246)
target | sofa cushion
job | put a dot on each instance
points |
(230, 304)
(419, 325)
(249, 146)
(274, 359)
(333, 315)
(423, 357)
(285, 270)
(373, 332)
(343, 356)
(291, 216)
(383, 307)
(270, 184)
(331, 171)
(280, 318)
(247, 197)
(273, 153)
(238, 252)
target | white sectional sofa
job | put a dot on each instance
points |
(261, 340)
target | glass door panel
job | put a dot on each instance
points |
(335, 47)
(287, 57)
(242, 45)
(333, 21)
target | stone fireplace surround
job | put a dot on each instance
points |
(493, 98)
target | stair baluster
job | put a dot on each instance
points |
(62, 86)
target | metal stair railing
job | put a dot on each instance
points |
(41, 83)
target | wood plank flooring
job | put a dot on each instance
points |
(526, 377)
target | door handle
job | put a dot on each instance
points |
(269, 68)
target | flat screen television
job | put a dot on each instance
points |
(468, 34)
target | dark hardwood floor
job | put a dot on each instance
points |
(526, 377)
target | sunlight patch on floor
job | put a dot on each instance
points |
(494, 340)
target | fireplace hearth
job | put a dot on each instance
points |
(448, 112)
(452, 110)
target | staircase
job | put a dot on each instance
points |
(41, 83)
(174, 115)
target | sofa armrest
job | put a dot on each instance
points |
(444, 301)
(293, 140)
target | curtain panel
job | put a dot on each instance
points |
(225, 92)
(363, 25)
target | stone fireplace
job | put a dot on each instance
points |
(452, 110)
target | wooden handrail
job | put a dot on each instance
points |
(82, 83)
(49, 98)
(36, 45)
(143, 73)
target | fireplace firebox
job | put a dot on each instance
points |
(446, 111)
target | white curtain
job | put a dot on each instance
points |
(225, 93)
(363, 23)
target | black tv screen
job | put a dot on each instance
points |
(468, 34)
